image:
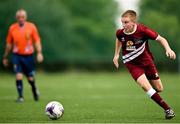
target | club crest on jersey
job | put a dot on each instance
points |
(129, 46)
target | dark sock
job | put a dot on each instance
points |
(32, 83)
(157, 98)
(19, 85)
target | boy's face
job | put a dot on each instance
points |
(128, 24)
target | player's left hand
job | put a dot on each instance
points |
(40, 57)
(171, 54)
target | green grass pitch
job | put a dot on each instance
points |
(88, 97)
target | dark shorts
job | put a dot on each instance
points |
(24, 64)
(137, 70)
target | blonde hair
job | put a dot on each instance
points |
(21, 11)
(131, 14)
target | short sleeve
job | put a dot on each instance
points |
(9, 38)
(150, 34)
(118, 34)
(35, 34)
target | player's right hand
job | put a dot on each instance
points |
(115, 60)
(5, 62)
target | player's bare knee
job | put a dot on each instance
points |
(160, 89)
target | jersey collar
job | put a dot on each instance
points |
(135, 28)
(21, 27)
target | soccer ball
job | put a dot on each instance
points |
(54, 110)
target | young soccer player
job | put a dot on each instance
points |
(22, 37)
(133, 39)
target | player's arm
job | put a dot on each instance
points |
(6, 53)
(118, 46)
(169, 52)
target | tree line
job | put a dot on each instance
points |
(81, 33)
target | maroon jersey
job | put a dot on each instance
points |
(135, 48)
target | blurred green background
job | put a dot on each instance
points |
(80, 34)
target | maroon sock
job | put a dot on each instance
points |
(157, 98)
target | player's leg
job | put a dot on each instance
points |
(29, 70)
(157, 85)
(19, 76)
(144, 83)
(138, 73)
(152, 75)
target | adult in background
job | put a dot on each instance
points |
(21, 39)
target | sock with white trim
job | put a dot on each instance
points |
(157, 98)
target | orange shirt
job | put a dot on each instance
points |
(22, 38)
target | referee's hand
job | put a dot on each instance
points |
(5, 62)
(40, 57)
